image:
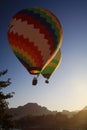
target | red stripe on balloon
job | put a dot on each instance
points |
(47, 35)
(27, 46)
(37, 24)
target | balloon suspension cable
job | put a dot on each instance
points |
(38, 75)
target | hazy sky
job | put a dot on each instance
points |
(68, 85)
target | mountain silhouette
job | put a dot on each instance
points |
(85, 108)
(32, 109)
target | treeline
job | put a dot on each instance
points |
(58, 121)
(6, 120)
(45, 121)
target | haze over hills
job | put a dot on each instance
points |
(85, 108)
(29, 109)
(33, 116)
(33, 109)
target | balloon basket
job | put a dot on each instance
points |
(46, 81)
(34, 82)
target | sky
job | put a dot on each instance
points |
(67, 89)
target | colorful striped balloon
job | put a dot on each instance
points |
(35, 35)
(52, 66)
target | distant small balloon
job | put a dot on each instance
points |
(52, 66)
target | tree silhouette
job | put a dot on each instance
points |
(6, 121)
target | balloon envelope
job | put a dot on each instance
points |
(52, 66)
(35, 35)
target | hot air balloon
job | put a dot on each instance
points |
(52, 66)
(35, 35)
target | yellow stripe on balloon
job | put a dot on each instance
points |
(53, 65)
(24, 54)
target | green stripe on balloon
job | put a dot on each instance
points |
(48, 70)
(23, 58)
(51, 67)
